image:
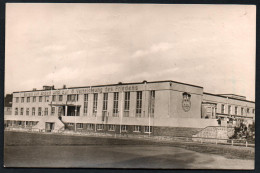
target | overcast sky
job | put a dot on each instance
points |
(212, 46)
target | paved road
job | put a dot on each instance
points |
(117, 156)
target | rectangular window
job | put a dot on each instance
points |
(46, 111)
(139, 104)
(28, 99)
(115, 106)
(53, 98)
(90, 126)
(80, 125)
(72, 97)
(34, 98)
(16, 111)
(33, 111)
(147, 129)
(27, 111)
(242, 111)
(52, 110)
(85, 110)
(222, 108)
(104, 109)
(39, 111)
(105, 98)
(127, 104)
(151, 103)
(59, 111)
(236, 110)
(247, 110)
(22, 99)
(124, 128)
(17, 99)
(46, 98)
(111, 127)
(100, 126)
(21, 113)
(95, 103)
(70, 124)
(229, 109)
(137, 128)
(40, 98)
(60, 97)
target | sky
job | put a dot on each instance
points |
(212, 46)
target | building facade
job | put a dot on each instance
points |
(157, 108)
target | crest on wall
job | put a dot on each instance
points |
(186, 103)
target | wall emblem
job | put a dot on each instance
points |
(186, 103)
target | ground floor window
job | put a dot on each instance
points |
(100, 126)
(147, 129)
(137, 128)
(90, 126)
(111, 127)
(80, 125)
(124, 128)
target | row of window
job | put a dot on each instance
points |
(40, 111)
(112, 127)
(126, 103)
(223, 107)
(54, 98)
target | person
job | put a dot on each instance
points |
(219, 122)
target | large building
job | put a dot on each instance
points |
(157, 108)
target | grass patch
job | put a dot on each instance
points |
(35, 139)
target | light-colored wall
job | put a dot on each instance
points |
(232, 102)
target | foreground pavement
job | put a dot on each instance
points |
(115, 156)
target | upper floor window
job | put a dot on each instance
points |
(235, 110)
(85, 110)
(105, 99)
(28, 99)
(115, 105)
(139, 104)
(39, 111)
(60, 97)
(229, 109)
(151, 103)
(21, 113)
(34, 98)
(222, 108)
(247, 110)
(52, 110)
(33, 111)
(127, 104)
(46, 98)
(40, 98)
(53, 98)
(95, 104)
(242, 111)
(22, 99)
(46, 111)
(27, 111)
(16, 111)
(17, 99)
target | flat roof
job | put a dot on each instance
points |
(228, 97)
(120, 83)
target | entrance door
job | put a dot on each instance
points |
(49, 127)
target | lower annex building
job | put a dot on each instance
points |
(156, 108)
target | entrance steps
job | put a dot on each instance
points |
(41, 125)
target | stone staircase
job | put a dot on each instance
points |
(58, 124)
